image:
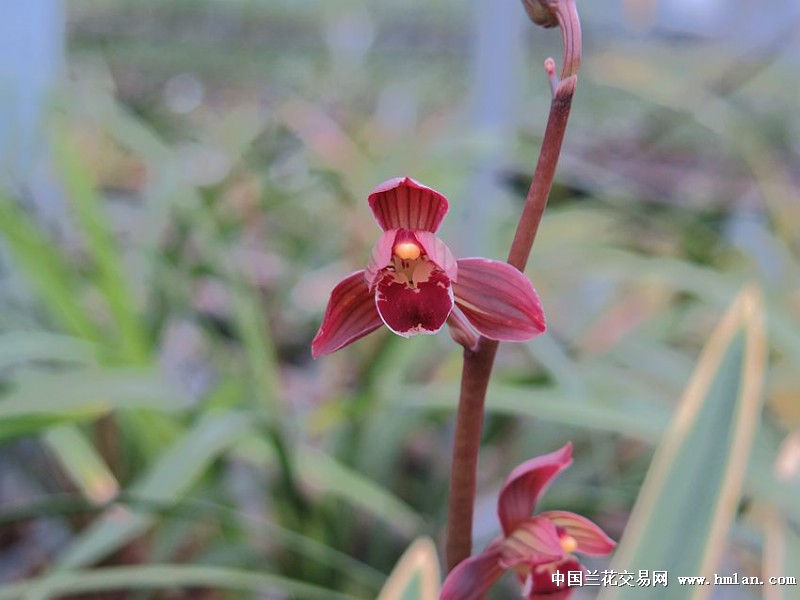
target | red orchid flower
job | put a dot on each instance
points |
(414, 285)
(534, 546)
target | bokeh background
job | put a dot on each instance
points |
(185, 181)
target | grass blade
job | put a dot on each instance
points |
(84, 466)
(87, 392)
(45, 269)
(101, 247)
(703, 455)
(337, 479)
(630, 416)
(162, 577)
(19, 347)
(167, 481)
(416, 575)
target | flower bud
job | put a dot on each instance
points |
(541, 12)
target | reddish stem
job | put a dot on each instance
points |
(475, 376)
(567, 16)
(544, 174)
(478, 363)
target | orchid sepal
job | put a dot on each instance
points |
(525, 485)
(350, 315)
(498, 300)
(404, 203)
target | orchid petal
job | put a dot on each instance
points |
(461, 331)
(381, 256)
(350, 315)
(526, 484)
(409, 311)
(534, 541)
(438, 253)
(473, 577)
(542, 586)
(402, 203)
(592, 540)
(498, 300)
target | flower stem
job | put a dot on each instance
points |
(469, 422)
(478, 363)
(543, 176)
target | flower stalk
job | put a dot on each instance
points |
(479, 360)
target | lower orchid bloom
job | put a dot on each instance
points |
(535, 547)
(414, 285)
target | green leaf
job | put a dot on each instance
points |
(685, 508)
(102, 250)
(337, 479)
(19, 347)
(629, 416)
(162, 577)
(87, 393)
(45, 269)
(15, 427)
(38, 400)
(81, 462)
(416, 575)
(168, 480)
(253, 328)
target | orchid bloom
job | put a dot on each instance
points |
(414, 285)
(534, 546)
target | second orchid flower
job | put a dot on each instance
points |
(538, 548)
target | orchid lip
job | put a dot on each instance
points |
(415, 299)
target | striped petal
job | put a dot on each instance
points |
(534, 541)
(591, 540)
(438, 253)
(350, 315)
(498, 300)
(402, 203)
(526, 484)
(473, 577)
(381, 256)
(461, 331)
